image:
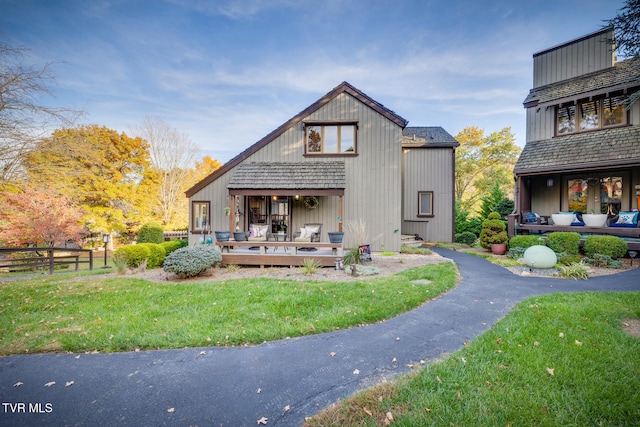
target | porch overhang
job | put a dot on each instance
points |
(321, 178)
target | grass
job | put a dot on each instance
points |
(557, 360)
(90, 313)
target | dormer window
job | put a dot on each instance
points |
(330, 138)
(590, 115)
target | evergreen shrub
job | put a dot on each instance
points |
(132, 255)
(151, 232)
(566, 242)
(157, 254)
(466, 237)
(172, 245)
(612, 246)
(191, 261)
(493, 231)
(525, 241)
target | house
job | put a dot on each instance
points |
(582, 151)
(344, 159)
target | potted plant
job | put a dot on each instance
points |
(239, 236)
(227, 211)
(222, 236)
(593, 219)
(493, 235)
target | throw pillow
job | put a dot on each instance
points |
(627, 218)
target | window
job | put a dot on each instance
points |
(331, 138)
(201, 221)
(589, 115)
(425, 203)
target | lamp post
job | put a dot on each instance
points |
(105, 238)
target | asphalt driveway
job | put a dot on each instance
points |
(283, 381)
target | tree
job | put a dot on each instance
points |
(626, 25)
(39, 217)
(481, 162)
(102, 170)
(23, 120)
(172, 155)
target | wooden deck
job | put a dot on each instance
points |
(270, 253)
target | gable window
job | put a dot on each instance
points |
(200, 219)
(590, 115)
(425, 203)
(329, 138)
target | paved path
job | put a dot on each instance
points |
(238, 386)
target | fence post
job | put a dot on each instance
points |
(90, 260)
(50, 252)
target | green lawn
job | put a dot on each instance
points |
(558, 360)
(77, 313)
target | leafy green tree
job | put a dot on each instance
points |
(626, 25)
(482, 161)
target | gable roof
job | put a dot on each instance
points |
(323, 175)
(343, 87)
(622, 76)
(610, 148)
(427, 136)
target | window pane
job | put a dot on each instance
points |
(614, 111)
(578, 192)
(566, 119)
(330, 139)
(424, 203)
(347, 138)
(314, 139)
(200, 216)
(589, 115)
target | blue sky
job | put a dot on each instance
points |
(228, 72)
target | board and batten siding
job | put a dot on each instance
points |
(429, 169)
(575, 58)
(373, 190)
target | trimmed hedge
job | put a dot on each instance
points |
(525, 241)
(156, 254)
(173, 245)
(132, 255)
(493, 231)
(612, 246)
(151, 232)
(564, 242)
(192, 260)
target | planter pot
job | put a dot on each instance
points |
(564, 219)
(335, 236)
(499, 248)
(222, 236)
(594, 220)
(240, 236)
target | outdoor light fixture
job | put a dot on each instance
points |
(550, 182)
(105, 238)
(632, 255)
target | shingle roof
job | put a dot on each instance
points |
(427, 135)
(616, 147)
(314, 175)
(622, 74)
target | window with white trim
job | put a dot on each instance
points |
(330, 138)
(200, 218)
(590, 115)
(425, 203)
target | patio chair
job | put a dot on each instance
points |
(310, 232)
(258, 233)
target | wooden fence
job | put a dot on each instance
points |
(44, 258)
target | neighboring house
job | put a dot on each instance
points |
(582, 150)
(343, 159)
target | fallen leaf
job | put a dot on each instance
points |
(263, 421)
(18, 384)
(312, 328)
(550, 371)
(171, 410)
(438, 379)
(259, 390)
(561, 335)
(286, 408)
(410, 365)
(389, 416)
(356, 372)
(333, 353)
(368, 412)
(202, 353)
(69, 383)
(394, 360)
(464, 361)
(459, 396)
(427, 410)
(397, 338)
(503, 367)
(536, 343)
(466, 343)
(49, 384)
(578, 343)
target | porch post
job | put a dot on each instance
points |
(340, 213)
(232, 210)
